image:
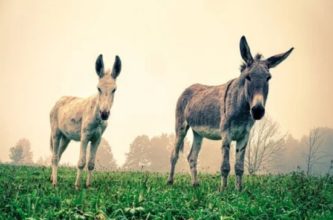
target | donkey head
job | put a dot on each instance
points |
(106, 85)
(255, 75)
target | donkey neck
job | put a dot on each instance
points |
(237, 95)
(94, 107)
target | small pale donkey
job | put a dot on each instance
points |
(225, 112)
(84, 120)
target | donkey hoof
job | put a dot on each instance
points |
(239, 188)
(196, 184)
(170, 182)
(222, 188)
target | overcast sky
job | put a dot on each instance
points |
(48, 50)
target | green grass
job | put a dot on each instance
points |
(26, 193)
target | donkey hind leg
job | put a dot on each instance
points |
(91, 162)
(193, 157)
(64, 141)
(51, 148)
(62, 145)
(225, 166)
(239, 164)
(55, 141)
(179, 144)
(82, 161)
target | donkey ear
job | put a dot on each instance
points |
(245, 51)
(116, 67)
(99, 66)
(275, 60)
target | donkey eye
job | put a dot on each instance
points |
(99, 90)
(114, 90)
(248, 78)
(268, 78)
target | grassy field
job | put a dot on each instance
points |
(26, 193)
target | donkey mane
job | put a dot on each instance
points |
(257, 57)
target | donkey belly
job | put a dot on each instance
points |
(205, 118)
(71, 130)
(70, 124)
(208, 132)
(72, 135)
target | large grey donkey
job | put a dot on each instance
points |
(225, 112)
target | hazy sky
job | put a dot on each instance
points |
(48, 49)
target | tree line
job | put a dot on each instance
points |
(268, 151)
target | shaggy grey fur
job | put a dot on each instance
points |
(225, 112)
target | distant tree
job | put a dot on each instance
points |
(104, 157)
(291, 157)
(264, 145)
(44, 161)
(21, 152)
(16, 154)
(160, 152)
(138, 156)
(313, 150)
(153, 154)
(297, 154)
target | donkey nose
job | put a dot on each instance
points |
(105, 115)
(258, 111)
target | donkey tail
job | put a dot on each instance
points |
(181, 123)
(51, 143)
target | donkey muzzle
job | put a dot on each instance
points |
(105, 115)
(258, 111)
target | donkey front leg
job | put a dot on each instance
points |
(91, 162)
(193, 157)
(82, 161)
(225, 166)
(239, 164)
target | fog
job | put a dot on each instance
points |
(48, 50)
